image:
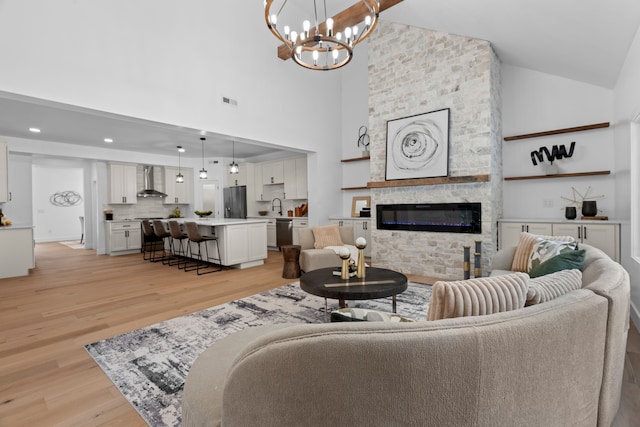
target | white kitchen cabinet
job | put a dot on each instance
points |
(509, 232)
(123, 186)
(342, 222)
(362, 228)
(16, 251)
(272, 241)
(257, 242)
(4, 172)
(242, 245)
(237, 179)
(605, 237)
(257, 182)
(123, 237)
(273, 173)
(297, 225)
(177, 193)
(295, 178)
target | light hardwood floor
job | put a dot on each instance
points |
(75, 297)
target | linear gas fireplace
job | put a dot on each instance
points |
(442, 217)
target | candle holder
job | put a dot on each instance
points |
(344, 255)
(477, 270)
(361, 272)
(467, 262)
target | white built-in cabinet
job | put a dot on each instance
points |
(510, 231)
(361, 228)
(295, 178)
(4, 172)
(298, 223)
(273, 173)
(605, 237)
(178, 193)
(16, 251)
(123, 237)
(237, 179)
(122, 184)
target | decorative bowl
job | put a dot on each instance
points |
(203, 214)
(263, 213)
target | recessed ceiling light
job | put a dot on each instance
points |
(108, 140)
(34, 130)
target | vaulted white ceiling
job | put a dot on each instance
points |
(584, 40)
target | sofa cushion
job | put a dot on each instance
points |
(326, 235)
(480, 296)
(564, 261)
(525, 247)
(551, 286)
(544, 250)
(365, 315)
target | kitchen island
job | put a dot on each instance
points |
(242, 242)
(16, 250)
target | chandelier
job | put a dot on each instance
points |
(323, 42)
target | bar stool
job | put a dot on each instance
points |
(150, 242)
(163, 234)
(194, 236)
(180, 252)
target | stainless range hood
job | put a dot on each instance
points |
(148, 184)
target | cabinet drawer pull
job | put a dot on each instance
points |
(585, 232)
(579, 232)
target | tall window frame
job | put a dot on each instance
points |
(635, 187)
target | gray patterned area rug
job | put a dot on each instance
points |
(149, 365)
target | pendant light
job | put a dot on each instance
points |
(179, 176)
(233, 167)
(203, 171)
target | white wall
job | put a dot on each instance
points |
(159, 60)
(626, 108)
(536, 102)
(53, 222)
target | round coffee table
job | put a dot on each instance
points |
(378, 283)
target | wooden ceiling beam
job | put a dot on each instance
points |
(347, 18)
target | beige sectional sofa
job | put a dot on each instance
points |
(558, 363)
(312, 258)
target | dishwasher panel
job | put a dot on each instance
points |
(284, 231)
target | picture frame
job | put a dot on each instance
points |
(358, 203)
(418, 146)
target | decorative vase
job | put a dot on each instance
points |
(589, 208)
(570, 212)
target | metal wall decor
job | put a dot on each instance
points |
(557, 153)
(65, 198)
(418, 146)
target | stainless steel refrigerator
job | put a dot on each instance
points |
(235, 202)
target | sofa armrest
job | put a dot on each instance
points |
(313, 259)
(503, 259)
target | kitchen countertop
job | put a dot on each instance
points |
(14, 227)
(219, 221)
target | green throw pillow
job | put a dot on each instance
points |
(564, 261)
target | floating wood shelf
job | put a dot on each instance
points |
(558, 131)
(355, 159)
(557, 175)
(429, 181)
(355, 188)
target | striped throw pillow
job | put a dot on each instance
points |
(548, 287)
(525, 248)
(326, 235)
(476, 297)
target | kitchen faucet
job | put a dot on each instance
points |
(279, 207)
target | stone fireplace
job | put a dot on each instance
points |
(428, 71)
